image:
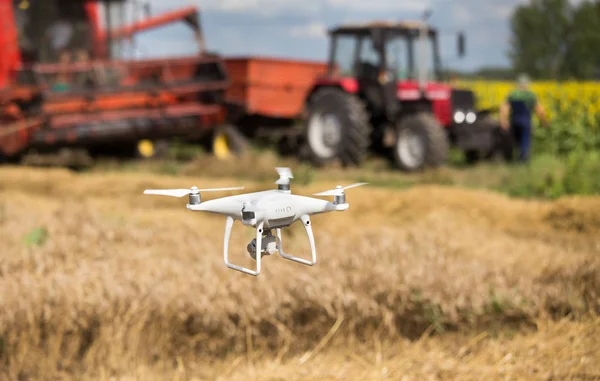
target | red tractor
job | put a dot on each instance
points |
(382, 91)
(65, 80)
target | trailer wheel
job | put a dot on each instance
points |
(337, 128)
(420, 141)
(228, 141)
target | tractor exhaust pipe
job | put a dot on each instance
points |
(423, 38)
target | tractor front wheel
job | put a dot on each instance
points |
(338, 127)
(420, 141)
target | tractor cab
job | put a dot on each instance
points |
(384, 48)
(384, 87)
(395, 61)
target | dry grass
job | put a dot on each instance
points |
(558, 351)
(136, 285)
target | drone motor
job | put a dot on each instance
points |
(285, 174)
(339, 196)
(194, 196)
(339, 199)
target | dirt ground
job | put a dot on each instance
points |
(428, 283)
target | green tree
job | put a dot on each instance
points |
(541, 31)
(556, 39)
(584, 54)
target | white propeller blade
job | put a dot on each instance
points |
(338, 190)
(168, 192)
(184, 192)
(354, 185)
(285, 174)
(219, 189)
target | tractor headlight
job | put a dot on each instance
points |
(471, 117)
(459, 117)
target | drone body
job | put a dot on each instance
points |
(265, 211)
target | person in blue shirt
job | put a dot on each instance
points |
(516, 116)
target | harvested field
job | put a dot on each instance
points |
(424, 283)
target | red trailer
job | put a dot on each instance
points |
(272, 87)
(63, 81)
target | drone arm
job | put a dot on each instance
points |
(227, 206)
(228, 226)
(311, 239)
(311, 206)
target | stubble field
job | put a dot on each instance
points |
(101, 282)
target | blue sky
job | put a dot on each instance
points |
(294, 28)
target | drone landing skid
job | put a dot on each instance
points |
(259, 233)
(311, 239)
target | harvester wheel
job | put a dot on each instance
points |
(152, 149)
(420, 141)
(228, 141)
(338, 127)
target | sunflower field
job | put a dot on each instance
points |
(566, 154)
(573, 109)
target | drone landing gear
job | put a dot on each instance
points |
(267, 246)
(259, 233)
(311, 239)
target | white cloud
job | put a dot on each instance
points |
(265, 7)
(380, 5)
(270, 7)
(461, 14)
(312, 30)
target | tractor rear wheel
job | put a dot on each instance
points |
(420, 141)
(338, 127)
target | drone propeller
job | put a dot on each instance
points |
(285, 174)
(339, 190)
(184, 192)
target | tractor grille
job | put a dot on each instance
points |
(463, 100)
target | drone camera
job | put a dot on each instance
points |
(268, 246)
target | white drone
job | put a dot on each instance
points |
(265, 210)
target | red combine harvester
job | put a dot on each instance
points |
(376, 93)
(64, 81)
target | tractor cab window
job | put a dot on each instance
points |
(398, 58)
(429, 61)
(406, 57)
(343, 55)
(368, 59)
